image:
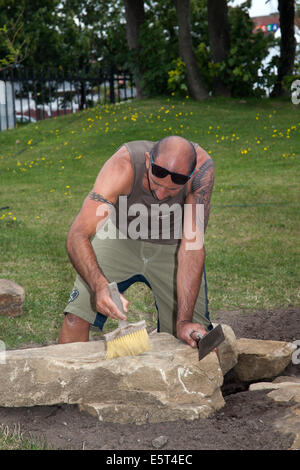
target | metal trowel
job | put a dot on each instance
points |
(210, 341)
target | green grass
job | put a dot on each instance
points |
(13, 439)
(47, 169)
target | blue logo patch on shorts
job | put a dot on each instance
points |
(74, 294)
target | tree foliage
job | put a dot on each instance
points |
(83, 34)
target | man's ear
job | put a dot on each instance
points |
(147, 154)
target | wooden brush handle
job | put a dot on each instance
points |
(115, 296)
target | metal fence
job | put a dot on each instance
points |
(30, 96)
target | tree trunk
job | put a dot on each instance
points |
(135, 17)
(219, 38)
(196, 86)
(287, 44)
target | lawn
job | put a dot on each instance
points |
(252, 241)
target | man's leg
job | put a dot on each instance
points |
(74, 329)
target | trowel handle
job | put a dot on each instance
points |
(115, 297)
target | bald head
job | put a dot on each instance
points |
(176, 153)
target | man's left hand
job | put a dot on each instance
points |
(187, 331)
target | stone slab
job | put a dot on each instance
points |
(168, 381)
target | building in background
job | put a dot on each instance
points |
(267, 24)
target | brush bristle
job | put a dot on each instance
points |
(128, 345)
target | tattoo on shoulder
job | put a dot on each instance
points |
(203, 176)
(202, 186)
(97, 197)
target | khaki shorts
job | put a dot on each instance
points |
(126, 261)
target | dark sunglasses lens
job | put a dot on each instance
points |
(179, 179)
(159, 171)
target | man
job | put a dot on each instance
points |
(146, 174)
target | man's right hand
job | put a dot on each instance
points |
(106, 306)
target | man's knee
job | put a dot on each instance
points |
(74, 329)
(75, 321)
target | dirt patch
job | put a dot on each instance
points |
(246, 422)
(276, 324)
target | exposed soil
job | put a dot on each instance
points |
(246, 422)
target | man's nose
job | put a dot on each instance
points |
(162, 193)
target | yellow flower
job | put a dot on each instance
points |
(68, 187)
(29, 142)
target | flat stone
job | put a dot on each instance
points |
(290, 424)
(260, 359)
(287, 393)
(12, 297)
(163, 384)
(293, 383)
(285, 389)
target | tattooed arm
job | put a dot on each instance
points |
(191, 254)
(114, 179)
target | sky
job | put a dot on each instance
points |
(259, 7)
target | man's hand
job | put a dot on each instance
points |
(106, 306)
(187, 331)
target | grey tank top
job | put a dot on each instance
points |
(139, 216)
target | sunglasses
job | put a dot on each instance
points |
(161, 172)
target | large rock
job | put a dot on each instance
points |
(260, 359)
(12, 297)
(166, 383)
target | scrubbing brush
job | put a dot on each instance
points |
(129, 339)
